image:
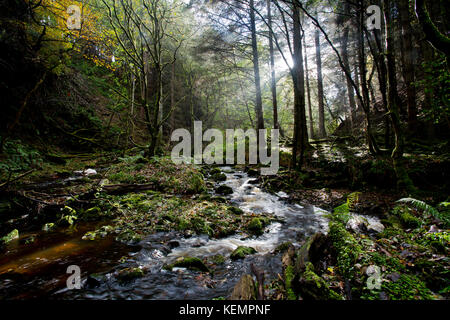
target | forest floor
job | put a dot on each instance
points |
(405, 257)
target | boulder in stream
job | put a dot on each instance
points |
(225, 190)
(241, 252)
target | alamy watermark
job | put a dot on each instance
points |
(374, 280)
(74, 280)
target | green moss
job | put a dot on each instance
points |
(256, 226)
(408, 287)
(241, 252)
(347, 249)
(130, 274)
(315, 287)
(288, 278)
(282, 247)
(219, 176)
(235, 210)
(392, 264)
(406, 217)
(218, 259)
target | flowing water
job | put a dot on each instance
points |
(44, 268)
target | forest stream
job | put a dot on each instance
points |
(40, 268)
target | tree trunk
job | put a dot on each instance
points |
(408, 63)
(373, 147)
(308, 89)
(258, 105)
(403, 180)
(322, 132)
(350, 91)
(272, 69)
(300, 129)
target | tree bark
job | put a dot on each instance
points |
(438, 40)
(408, 63)
(258, 105)
(300, 128)
(272, 69)
(350, 91)
(403, 180)
(308, 89)
(322, 132)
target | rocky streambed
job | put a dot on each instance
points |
(166, 265)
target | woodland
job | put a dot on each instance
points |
(91, 92)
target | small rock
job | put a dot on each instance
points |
(89, 172)
(357, 224)
(225, 190)
(376, 227)
(174, 244)
(241, 252)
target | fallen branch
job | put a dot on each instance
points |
(4, 184)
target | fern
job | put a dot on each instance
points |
(427, 209)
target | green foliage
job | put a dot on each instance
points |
(10, 236)
(342, 213)
(18, 157)
(444, 216)
(68, 216)
(406, 217)
(347, 248)
(436, 83)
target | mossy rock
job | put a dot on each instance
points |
(409, 221)
(10, 236)
(225, 190)
(204, 196)
(215, 170)
(314, 287)
(190, 263)
(129, 274)
(219, 199)
(235, 210)
(283, 247)
(310, 251)
(218, 259)
(241, 252)
(347, 249)
(256, 226)
(219, 177)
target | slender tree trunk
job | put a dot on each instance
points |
(172, 97)
(308, 89)
(373, 147)
(350, 91)
(408, 63)
(403, 179)
(382, 80)
(322, 132)
(300, 128)
(258, 105)
(272, 69)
